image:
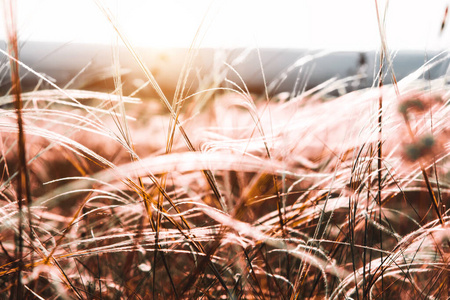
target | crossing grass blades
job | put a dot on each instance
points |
(220, 193)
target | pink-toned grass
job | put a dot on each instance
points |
(95, 198)
(230, 195)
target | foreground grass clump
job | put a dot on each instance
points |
(240, 197)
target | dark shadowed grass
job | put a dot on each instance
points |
(226, 194)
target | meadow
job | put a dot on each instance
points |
(220, 193)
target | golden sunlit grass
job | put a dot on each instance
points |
(226, 194)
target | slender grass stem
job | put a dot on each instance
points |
(23, 188)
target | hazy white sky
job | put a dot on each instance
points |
(343, 24)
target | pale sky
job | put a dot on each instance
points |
(312, 24)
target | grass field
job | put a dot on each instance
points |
(220, 193)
